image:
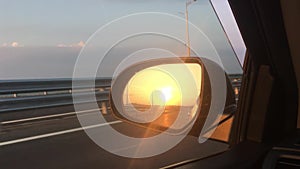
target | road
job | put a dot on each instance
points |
(60, 143)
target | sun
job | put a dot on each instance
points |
(171, 95)
(167, 92)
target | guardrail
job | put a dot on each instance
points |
(18, 95)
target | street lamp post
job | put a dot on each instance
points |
(188, 2)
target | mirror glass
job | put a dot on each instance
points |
(163, 97)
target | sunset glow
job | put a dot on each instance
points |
(160, 85)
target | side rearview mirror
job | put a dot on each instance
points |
(169, 95)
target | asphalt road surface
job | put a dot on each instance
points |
(60, 143)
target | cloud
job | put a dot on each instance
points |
(13, 44)
(74, 45)
(62, 45)
(80, 44)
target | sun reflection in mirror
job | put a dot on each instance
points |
(159, 85)
(164, 95)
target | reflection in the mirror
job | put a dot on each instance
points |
(165, 95)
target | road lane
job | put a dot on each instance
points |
(55, 133)
(76, 150)
(39, 127)
(23, 120)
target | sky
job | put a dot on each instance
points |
(42, 39)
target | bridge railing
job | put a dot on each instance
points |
(52, 96)
(18, 95)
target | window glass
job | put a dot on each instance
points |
(43, 40)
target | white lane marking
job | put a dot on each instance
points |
(55, 133)
(45, 117)
(125, 148)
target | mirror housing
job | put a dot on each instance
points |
(190, 114)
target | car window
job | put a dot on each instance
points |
(56, 55)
